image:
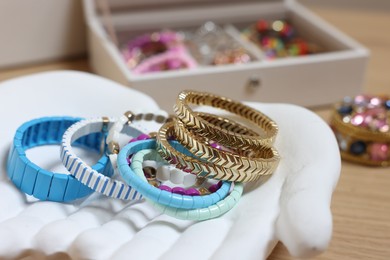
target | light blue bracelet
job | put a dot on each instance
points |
(199, 214)
(38, 182)
(161, 196)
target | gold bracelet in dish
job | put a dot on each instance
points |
(227, 124)
(230, 171)
(227, 138)
(362, 129)
(221, 157)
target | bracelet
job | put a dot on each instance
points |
(147, 45)
(231, 171)
(158, 195)
(170, 60)
(149, 157)
(222, 136)
(362, 128)
(257, 158)
(38, 182)
(212, 211)
(126, 119)
(84, 173)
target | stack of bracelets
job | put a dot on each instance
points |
(193, 167)
(362, 128)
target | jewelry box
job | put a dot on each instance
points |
(310, 80)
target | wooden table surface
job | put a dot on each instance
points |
(361, 202)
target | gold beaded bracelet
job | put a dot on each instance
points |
(244, 171)
(202, 128)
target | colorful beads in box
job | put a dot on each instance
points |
(362, 128)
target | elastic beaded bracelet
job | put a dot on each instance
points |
(362, 128)
(202, 128)
(212, 211)
(38, 182)
(170, 60)
(147, 45)
(231, 171)
(150, 157)
(161, 196)
(84, 173)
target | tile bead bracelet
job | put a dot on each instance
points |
(84, 173)
(163, 197)
(199, 214)
(38, 182)
(362, 128)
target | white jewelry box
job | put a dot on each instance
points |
(311, 80)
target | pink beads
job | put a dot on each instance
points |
(379, 152)
(213, 188)
(140, 137)
(165, 187)
(179, 190)
(190, 191)
(371, 115)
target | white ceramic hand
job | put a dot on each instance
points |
(292, 206)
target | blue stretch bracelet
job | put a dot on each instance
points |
(38, 182)
(161, 196)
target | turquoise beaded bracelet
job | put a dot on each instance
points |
(212, 211)
(161, 196)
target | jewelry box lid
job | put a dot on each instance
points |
(121, 5)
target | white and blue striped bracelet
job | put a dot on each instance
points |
(83, 172)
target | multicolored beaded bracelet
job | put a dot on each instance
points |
(362, 128)
(212, 211)
(161, 196)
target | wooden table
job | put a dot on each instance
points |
(361, 202)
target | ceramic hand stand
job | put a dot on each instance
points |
(292, 206)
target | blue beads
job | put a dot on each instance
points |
(358, 148)
(387, 104)
(345, 110)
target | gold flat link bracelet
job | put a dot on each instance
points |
(202, 128)
(221, 157)
(248, 171)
